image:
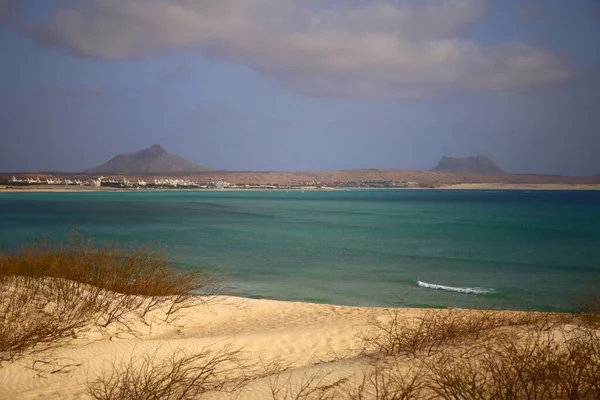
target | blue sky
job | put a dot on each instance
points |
(301, 84)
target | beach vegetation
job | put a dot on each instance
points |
(533, 364)
(482, 354)
(436, 329)
(388, 379)
(587, 310)
(310, 385)
(178, 375)
(51, 290)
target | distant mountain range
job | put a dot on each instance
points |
(470, 165)
(153, 160)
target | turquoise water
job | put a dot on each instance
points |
(528, 249)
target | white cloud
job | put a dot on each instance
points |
(357, 48)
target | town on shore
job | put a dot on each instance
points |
(155, 168)
(185, 183)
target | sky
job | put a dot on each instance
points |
(301, 85)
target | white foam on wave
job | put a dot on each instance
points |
(464, 290)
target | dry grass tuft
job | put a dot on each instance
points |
(178, 376)
(50, 291)
(24, 320)
(40, 314)
(139, 271)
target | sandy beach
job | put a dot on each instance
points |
(286, 346)
(522, 186)
(308, 337)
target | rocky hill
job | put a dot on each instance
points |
(470, 165)
(153, 160)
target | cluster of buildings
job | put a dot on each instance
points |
(55, 181)
(182, 183)
(376, 184)
(160, 183)
(186, 183)
(366, 184)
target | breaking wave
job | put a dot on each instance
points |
(466, 290)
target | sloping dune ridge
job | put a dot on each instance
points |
(289, 350)
(299, 335)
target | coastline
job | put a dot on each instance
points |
(521, 186)
(461, 186)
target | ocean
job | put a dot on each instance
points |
(462, 248)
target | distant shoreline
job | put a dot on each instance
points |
(521, 186)
(462, 186)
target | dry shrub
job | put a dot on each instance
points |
(482, 354)
(578, 374)
(178, 376)
(37, 314)
(23, 323)
(508, 369)
(523, 363)
(436, 329)
(587, 311)
(136, 270)
(317, 385)
(533, 364)
(385, 379)
(50, 291)
(390, 380)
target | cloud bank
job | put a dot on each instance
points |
(339, 48)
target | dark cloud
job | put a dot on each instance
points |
(382, 49)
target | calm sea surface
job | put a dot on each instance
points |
(517, 249)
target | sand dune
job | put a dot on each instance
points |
(285, 344)
(306, 336)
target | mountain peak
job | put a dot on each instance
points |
(153, 160)
(157, 148)
(153, 151)
(469, 165)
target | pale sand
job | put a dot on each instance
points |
(311, 337)
(522, 186)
